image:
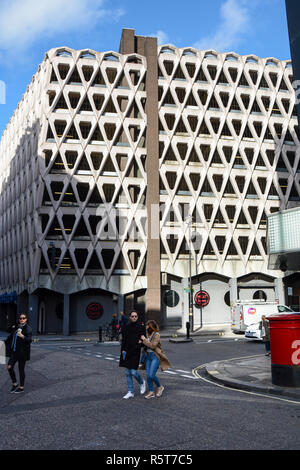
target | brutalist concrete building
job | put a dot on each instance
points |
(127, 177)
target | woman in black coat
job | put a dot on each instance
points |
(18, 344)
(130, 353)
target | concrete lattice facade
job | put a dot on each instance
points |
(79, 161)
(228, 149)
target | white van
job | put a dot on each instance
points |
(249, 312)
(254, 332)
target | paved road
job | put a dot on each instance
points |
(73, 401)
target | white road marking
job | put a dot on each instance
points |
(270, 397)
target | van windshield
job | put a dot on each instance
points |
(283, 308)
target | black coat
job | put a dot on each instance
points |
(131, 335)
(23, 345)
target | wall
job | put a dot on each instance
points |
(216, 312)
(78, 318)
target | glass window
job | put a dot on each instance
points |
(283, 308)
(171, 298)
(260, 294)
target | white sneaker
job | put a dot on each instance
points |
(128, 395)
(143, 387)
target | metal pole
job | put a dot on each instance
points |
(201, 308)
(191, 318)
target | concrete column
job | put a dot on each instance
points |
(279, 291)
(33, 307)
(233, 290)
(147, 46)
(66, 319)
(153, 296)
(120, 304)
(127, 44)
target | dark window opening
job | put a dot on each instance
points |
(230, 212)
(243, 241)
(260, 294)
(87, 72)
(212, 70)
(81, 230)
(208, 210)
(108, 256)
(220, 242)
(95, 198)
(99, 80)
(74, 99)
(81, 255)
(83, 189)
(75, 78)
(205, 150)
(63, 70)
(86, 106)
(253, 211)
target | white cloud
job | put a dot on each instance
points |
(23, 22)
(235, 19)
(162, 37)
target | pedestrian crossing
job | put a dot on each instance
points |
(103, 355)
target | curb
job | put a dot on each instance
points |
(211, 371)
(65, 338)
(195, 334)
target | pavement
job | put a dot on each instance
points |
(252, 373)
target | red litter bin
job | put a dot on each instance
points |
(285, 349)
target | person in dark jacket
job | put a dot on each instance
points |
(130, 353)
(123, 321)
(19, 342)
(114, 327)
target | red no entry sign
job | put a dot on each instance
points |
(94, 311)
(202, 298)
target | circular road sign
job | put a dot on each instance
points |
(202, 298)
(94, 311)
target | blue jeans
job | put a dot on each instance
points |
(152, 365)
(132, 373)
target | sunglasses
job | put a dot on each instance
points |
(22, 318)
(133, 316)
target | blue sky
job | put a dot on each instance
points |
(28, 28)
